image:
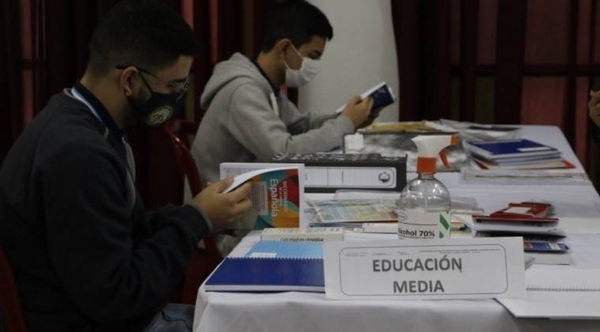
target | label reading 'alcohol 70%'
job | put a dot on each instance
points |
(422, 224)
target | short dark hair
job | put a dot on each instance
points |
(145, 33)
(297, 20)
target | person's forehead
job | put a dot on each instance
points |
(314, 48)
(316, 43)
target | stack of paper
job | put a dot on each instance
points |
(482, 132)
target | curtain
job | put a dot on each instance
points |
(225, 27)
(10, 76)
(501, 61)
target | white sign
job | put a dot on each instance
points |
(425, 269)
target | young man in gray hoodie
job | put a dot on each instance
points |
(249, 119)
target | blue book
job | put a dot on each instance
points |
(514, 148)
(382, 96)
(245, 274)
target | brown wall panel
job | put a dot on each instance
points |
(543, 100)
(547, 34)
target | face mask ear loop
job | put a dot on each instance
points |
(297, 52)
(300, 55)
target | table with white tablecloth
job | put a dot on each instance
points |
(577, 205)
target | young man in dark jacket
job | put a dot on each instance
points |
(85, 253)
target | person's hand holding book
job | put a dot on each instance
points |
(369, 121)
(358, 110)
(223, 208)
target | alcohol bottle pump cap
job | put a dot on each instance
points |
(428, 147)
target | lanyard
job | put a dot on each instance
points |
(78, 95)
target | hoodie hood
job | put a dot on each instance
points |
(238, 67)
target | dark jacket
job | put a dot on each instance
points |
(86, 254)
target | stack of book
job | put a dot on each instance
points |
(530, 220)
(515, 154)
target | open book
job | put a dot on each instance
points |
(276, 194)
(565, 293)
(382, 96)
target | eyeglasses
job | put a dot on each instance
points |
(180, 86)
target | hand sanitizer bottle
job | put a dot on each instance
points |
(424, 204)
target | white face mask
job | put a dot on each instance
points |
(295, 78)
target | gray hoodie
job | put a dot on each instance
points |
(246, 122)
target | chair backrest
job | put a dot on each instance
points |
(10, 302)
(204, 262)
(178, 131)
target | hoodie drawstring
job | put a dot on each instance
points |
(274, 104)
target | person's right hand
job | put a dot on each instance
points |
(223, 208)
(594, 107)
(358, 110)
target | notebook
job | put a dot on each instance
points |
(272, 266)
(245, 274)
(569, 293)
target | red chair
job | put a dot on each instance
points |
(11, 311)
(206, 259)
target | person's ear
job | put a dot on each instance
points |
(282, 46)
(127, 79)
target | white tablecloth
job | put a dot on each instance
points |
(576, 205)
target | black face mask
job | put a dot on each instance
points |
(158, 109)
